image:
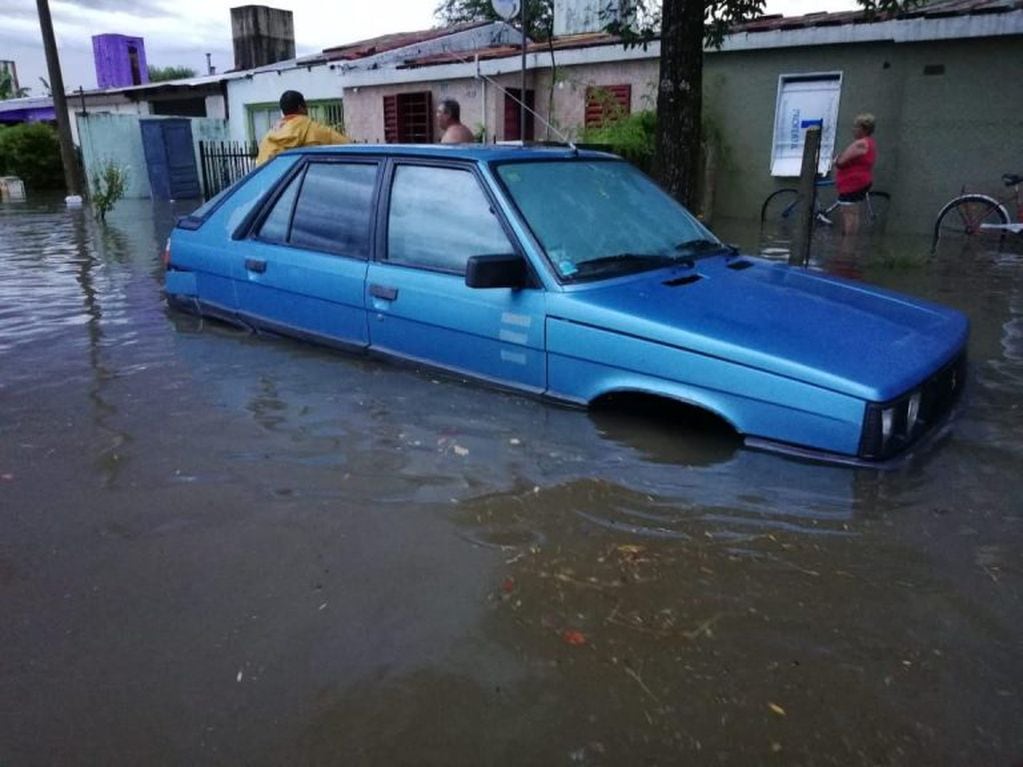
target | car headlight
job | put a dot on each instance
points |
(890, 426)
(912, 412)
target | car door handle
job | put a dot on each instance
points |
(255, 265)
(386, 292)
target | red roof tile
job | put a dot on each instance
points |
(393, 41)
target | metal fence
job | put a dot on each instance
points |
(224, 162)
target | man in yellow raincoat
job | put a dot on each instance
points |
(295, 129)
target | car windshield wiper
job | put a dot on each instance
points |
(621, 262)
(702, 245)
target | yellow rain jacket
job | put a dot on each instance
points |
(294, 131)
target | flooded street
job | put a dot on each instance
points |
(219, 548)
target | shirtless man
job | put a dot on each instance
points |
(452, 130)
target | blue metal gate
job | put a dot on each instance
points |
(170, 158)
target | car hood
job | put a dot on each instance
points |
(845, 336)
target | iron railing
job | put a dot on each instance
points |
(224, 162)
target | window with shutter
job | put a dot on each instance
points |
(607, 102)
(408, 118)
(391, 119)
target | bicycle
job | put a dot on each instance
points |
(981, 218)
(781, 206)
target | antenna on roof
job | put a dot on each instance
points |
(520, 101)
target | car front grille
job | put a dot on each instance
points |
(934, 398)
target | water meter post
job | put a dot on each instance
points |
(807, 193)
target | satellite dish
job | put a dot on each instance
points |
(506, 9)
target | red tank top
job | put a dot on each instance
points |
(858, 173)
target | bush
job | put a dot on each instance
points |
(108, 185)
(630, 136)
(31, 152)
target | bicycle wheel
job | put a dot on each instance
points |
(875, 213)
(780, 207)
(967, 218)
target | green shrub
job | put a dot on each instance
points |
(31, 152)
(630, 136)
(108, 185)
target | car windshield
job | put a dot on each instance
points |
(603, 218)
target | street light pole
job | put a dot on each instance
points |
(522, 91)
(72, 178)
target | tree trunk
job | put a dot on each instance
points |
(679, 97)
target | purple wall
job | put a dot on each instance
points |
(116, 66)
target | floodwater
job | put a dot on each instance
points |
(224, 549)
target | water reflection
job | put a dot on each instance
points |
(398, 567)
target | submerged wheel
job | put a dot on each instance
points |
(780, 207)
(968, 218)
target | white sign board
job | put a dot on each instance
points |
(804, 100)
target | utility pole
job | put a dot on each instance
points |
(522, 93)
(72, 178)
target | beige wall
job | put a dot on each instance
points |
(572, 82)
(482, 102)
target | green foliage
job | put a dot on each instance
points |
(633, 136)
(7, 89)
(630, 136)
(162, 74)
(108, 187)
(31, 151)
(539, 15)
(638, 22)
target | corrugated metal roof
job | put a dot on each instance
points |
(28, 102)
(934, 10)
(185, 82)
(937, 9)
(375, 45)
(587, 40)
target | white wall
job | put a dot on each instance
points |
(266, 87)
(328, 80)
(216, 107)
(102, 105)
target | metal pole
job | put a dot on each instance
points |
(522, 93)
(807, 196)
(72, 178)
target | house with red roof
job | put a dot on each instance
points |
(944, 81)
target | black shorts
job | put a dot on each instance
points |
(858, 196)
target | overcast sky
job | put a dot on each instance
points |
(181, 32)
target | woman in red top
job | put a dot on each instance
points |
(854, 171)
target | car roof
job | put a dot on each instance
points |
(474, 152)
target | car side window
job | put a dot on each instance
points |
(333, 211)
(439, 217)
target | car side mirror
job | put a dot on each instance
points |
(504, 270)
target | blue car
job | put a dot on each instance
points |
(570, 275)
